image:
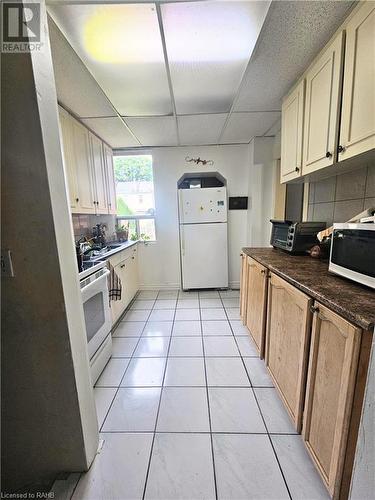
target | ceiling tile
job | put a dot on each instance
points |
(121, 46)
(293, 33)
(76, 88)
(242, 127)
(154, 130)
(209, 44)
(113, 131)
(200, 129)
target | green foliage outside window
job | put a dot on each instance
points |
(122, 207)
(133, 168)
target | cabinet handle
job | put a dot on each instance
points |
(133, 258)
(341, 149)
(123, 265)
(263, 271)
(328, 154)
(77, 200)
(297, 169)
(314, 309)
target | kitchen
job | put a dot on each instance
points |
(210, 375)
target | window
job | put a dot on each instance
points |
(135, 195)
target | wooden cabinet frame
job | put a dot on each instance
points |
(300, 358)
(348, 370)
(256, 302)
(243, 288)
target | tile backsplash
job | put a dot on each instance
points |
(83, 224)
(340, 198)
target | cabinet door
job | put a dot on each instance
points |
(330, 386)
(97, 164)
(322, 108)
(68, 157)
(110, 177)
(256, 302)
(287, 343)
(357, 133)
(243, 288)
(291, 133)
(83, 168)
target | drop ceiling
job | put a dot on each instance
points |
(184, 73)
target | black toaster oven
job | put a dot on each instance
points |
(295, 237)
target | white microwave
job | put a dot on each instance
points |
(353, 252)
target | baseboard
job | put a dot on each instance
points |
(235, 285)
(160, 286)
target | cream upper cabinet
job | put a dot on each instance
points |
(292, 133)
(322, 108)
(89, 168)
(68, 157)
(85, 180)
(110, 179)
(357, 133)
(97, 160)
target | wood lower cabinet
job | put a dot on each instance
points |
(256, 301)
(333, 364)
(287, 343)
(243, 288)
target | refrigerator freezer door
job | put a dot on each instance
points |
(203, 205)
(204, 255)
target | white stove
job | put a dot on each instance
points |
(95, 300)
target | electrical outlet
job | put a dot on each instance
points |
(6, 264)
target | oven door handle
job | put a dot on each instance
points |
(86, 288)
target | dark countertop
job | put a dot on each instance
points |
(352, 301)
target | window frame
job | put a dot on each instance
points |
(137, 218)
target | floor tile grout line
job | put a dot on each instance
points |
(118, 387)
(208, 400)
(123, 375)
(158, 410)
(261, 414)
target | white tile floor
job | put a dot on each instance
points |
(187, 410)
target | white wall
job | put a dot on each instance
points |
(160, 261)
(261, 188)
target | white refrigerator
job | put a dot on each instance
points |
(203, 237)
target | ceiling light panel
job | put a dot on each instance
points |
(76, 88)
(155, 130)
(113, 131)
(200, 129)
(209, 44)
(121, 46)
(242, 127)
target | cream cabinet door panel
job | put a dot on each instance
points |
(291, 133)
(357, 133)
(85, 179)
(322, 108)
(110, 177)
(68, 157)
(97, 160)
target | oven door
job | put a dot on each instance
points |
(96, 310)
(353, 251)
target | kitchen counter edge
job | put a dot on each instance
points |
(354, 302)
